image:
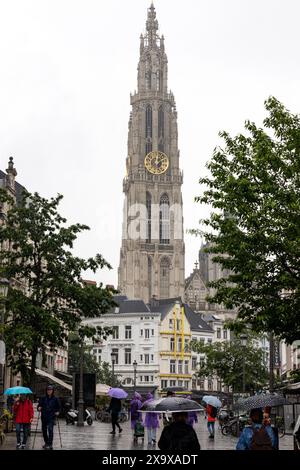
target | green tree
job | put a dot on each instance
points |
(47, 297)
(227, 360)
(254, 226)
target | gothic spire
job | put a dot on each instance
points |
(151, 26)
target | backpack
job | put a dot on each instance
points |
(213, 412)
(260, 439)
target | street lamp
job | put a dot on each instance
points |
(134, 374)
(4, 283)
(113, 361)
(80, 421)
(243, 339)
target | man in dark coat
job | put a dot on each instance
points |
(49, 406)
(179, 436)
(115, 408)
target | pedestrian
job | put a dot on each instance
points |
(49, 407)
(211, 418)
(179, 436)
(192, 415)
(23, 412)
(115, 408)
(151, 422)
(257, 436)
(135, 406)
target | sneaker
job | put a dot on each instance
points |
(45, 446)
(112, 432)
(120, 430)
(23, 446)
(18, 446)
(153, 442)
(50, 448)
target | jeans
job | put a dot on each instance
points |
(151, 435)
(114, 420)
(22, 427)
(47, 428)
(211, 427)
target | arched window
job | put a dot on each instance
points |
(164, 219)
(148, 226)
(158, 81)
(148, 129)
(149, 277)
(165, 278)
(148, 79)
(161, 129)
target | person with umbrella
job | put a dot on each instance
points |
(23, 412)
(116, 394)
(257, 436)
(135, 405)
(179, 436)
(49, 407)
(192, 415)
(151, 422)
(212, 405)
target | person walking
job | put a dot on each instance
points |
(135, 406)
(23, 411)
(115, 408)
(49, 407)
(257, 436)
(192, 415)
(211, 412)
(151, 423)
(179, 436)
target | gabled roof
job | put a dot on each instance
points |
(128, 306)
(19, 187)
(195, 320)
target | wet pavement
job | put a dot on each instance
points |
(98, 437)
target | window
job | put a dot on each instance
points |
(218, 332)
(209, 385)
(224, 334)
(148, 208)
(142, 332)
(164, 220)
(179, 367)
(146, 378)
(164, 384)
(180, 383)
(202, 362)
(152, 357)
(193, 384)
(172, 383)
(186, 367)
(127, 332)
(172, 367)
(148, 79)
(116, 356)
(202, 340)
(151, 378)
(171, 323)
(179, 344)
(178, 325)
(148, 129)
(146, 358)
(209, 340)
(152, 332)
(147, 334)
(186, 384)
(186, 345)
(172, 348)
(115, 333)
(127, 356)
(164, 278)
(161, 129)
(141, 378)
(141, 358)
(194, 362)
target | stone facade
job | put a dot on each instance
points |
(152, 251)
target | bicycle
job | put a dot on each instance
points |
(234, 426)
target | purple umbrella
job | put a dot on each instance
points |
(117, 393)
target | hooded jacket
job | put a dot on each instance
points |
(23, 411)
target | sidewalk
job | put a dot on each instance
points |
(98, 437)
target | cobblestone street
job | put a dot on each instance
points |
(98, 437)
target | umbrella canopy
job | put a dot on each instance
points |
(261, 401)
(170, 404)
(211, 400)
(117, 393)
(17, 391)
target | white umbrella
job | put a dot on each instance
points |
(102, 389)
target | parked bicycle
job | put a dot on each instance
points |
(234, 426)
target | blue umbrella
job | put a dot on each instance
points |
(213, 401)
(17, 391)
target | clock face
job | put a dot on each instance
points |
(156, 162)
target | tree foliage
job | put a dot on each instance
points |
(254, 227)
(47, 297)
(226, 360)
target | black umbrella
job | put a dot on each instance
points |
(261, 401)
(171, 404)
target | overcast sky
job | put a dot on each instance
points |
(68, 67)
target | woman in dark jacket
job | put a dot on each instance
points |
(49, 407)
(115, 408)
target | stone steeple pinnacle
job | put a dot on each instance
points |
(151, 25)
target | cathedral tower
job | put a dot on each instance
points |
(152, 252)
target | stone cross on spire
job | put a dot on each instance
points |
(151, 25)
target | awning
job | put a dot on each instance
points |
(51, 377)
(102, 389)
(293, 386)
